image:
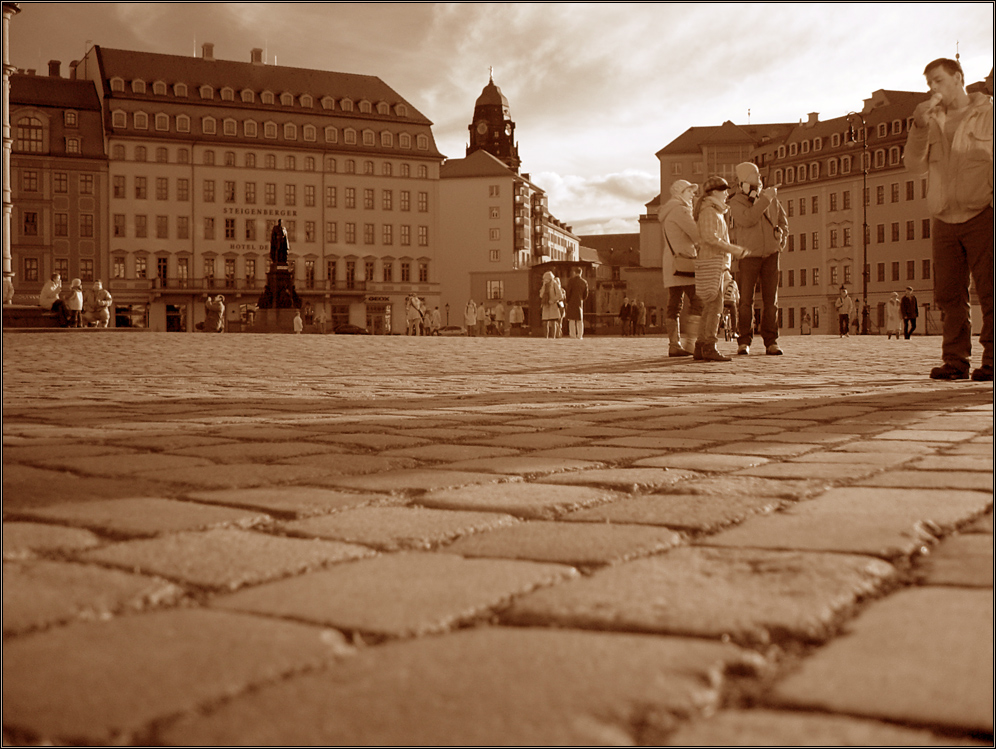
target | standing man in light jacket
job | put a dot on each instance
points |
(952, 141)
(679, 238)
(759, 223)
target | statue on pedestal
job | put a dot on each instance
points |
(279, 246)
(279, 292)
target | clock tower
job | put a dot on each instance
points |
(492, 129)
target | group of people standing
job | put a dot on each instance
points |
(633, 316)
(76, 308)
(698, 255)
(559, 303)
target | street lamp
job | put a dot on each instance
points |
(864, 214)
(447, 314)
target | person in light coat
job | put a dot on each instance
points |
(679, 240)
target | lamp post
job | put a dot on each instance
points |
(447, 314)
(864, 215)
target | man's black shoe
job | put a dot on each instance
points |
(983, 373)
(947, 372)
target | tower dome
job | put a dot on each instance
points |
(492, 129)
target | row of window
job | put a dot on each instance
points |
(31, 269)
(809, 172)
(250, 230)
(291, 131)
(29, 137)
(841, 237)
(209, 270)
(845, 276)
(858, 135)
(31, 182)
(249, 194)
(249, 96)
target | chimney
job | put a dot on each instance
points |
(207, 51)
(54, 69)
(814, 118)
(256, 56)
(72, 69)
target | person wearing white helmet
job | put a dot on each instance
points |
(759, 223)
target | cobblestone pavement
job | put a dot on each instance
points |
(278, 539)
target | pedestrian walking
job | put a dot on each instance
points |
(470, 317)
(759, 223)
(712, 263)
(845, 307)
(910, 310)
(951, 140)
(680, 237)
(576, 292)
(624, 315)
(893, 316)
(298, 322)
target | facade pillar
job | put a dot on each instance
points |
(9, 11)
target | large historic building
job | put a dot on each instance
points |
(204, 155)
(495, 222)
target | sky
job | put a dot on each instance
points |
(595, 89)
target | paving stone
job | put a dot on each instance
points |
(522, 465)
(970, 448)
(448, 453)
(910, 449)
(962, 560)
(870, 671)
(481, 687)
(22, 540)
(884, 459)
(33, 453)
(598, 453)
(415, 480)
(39, 593)
(926, 435)
(836, 412)
(535, 501)
(392, 528)
(99, 682)
(398, 594)
(623, 479)
(25, 486)
(223, 558)
(566, 543)
(144, 516)
(954, 463)
(810, 437)
(662, 441)
(889, 523)
(372, 440)
(832, 471)
(534, 441)
(113, 466)
(933, 480)
(790, 728)
(769, 449)
(731, 486)
(705, 462)
(682, 511)
(167, 441)
(247, 452)
(233, 475)
(749, 595)
(300, 501)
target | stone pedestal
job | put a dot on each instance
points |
(279, 292)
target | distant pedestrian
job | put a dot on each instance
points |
(298, 322)
(482, 319)
(845, 307)
(712, 264)
(320, 319)
(470, 317)
(910, 310)
(680, 237)
(624, 318)
(516, 317)
(893, 316)
(435, 321)
(550, 301)
(500, 314)
(74, 303)
(576, 292)
(952, 141)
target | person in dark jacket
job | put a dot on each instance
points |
(910, 310)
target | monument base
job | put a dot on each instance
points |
(273, 321)
(279, 292)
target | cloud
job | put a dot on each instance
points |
(605, 203)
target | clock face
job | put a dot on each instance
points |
(508, 129)
(482, 127)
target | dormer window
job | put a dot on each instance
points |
(71, 118)
(365, 107)
(818, 144)
(814, 170)
(209, 126)
(310, 133)
(266, 97)
(805, 146)
(182, 123)
(793, 149)
(159, 88)
(206, 92)
(331, 135)
(781, 152)
(307, 101)
(328, 102)
(141, 121)
(290, 131)
(138, 87)
(228, 94)
(249, 127)
(349, 136)
(270, 130)
(897, 127)
(162, 122)
(230, 127)
(369, 138)
(383, 108)
(248, 96)
(422, 143)
(401, 110)
(387, 139)
(180, 89)
(405, 140)
(346, 105)
(117, 84)
(883, 130)
(287, 100)
(835, 140)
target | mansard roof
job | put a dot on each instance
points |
(49, 91)
(478, 164)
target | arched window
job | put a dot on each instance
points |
(30, 136)
(248, 96)
(310, 133)
(287, 99)
(138, 87)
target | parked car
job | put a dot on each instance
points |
(452, 330)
